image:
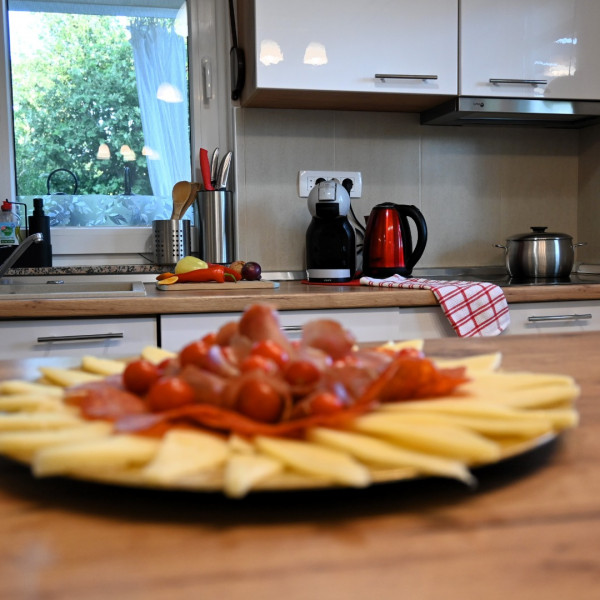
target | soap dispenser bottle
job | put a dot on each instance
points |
(38, 255)
(9, 225)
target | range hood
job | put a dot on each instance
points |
(533, 112)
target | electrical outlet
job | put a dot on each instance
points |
(307, 181)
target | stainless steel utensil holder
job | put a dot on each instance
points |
(171, 240)
(215, 219)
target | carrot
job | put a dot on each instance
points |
(164, 276)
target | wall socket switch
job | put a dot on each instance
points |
(307, 179)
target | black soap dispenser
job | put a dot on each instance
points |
(38, 255)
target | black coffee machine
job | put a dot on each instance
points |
(330, 238)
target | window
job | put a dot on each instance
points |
(100, 108)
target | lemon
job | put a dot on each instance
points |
(189, 263)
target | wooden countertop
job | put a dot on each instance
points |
(291, 295)
(531, 530)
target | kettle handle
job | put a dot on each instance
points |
(417, 216)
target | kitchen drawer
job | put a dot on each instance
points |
(367, 324)
(178, 330)
(75, 337)
(532, 317)
(554, 317)
(426, 322)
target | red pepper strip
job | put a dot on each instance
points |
(227, 270)
(216, 273)
(219, 418)
(409, 377)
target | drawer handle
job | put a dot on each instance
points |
(560, 318)
(523, 81)
(78, 338)
(291, 328)
(383, 76)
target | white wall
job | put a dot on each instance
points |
(475, 186)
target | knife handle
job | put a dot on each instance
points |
(205, 168)
(223, 175)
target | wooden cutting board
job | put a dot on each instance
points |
(238, 285)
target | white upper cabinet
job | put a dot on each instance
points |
(340, 46)
(530, 48)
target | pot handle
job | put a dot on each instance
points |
(579, 244)
(505, 248)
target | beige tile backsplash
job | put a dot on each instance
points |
(475, 186)
(589, 195)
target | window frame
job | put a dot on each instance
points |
(209, 125)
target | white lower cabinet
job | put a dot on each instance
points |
(531, 317)
(367, 324)
(176, 331)
(390, 323)
(106, 337)
(554, 317)
(122, 337)
(423, 322)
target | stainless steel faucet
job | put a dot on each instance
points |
(34, 238)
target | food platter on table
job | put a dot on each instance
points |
(484, 415)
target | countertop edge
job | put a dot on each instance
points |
(292, 295)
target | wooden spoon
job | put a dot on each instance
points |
(180, 194)
(195, 188)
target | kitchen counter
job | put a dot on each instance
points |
(531, 529)
(291, 295)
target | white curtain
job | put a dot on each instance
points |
(160, 63)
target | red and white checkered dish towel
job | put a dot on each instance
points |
(473, 309)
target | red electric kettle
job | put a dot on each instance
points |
(388, 248)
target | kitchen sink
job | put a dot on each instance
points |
(11, 290)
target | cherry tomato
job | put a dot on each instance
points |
(258, 400)
(325, 403)
(194, 354)
(301, 372)
(169, 392)
(256, 362)
(272, 350)
(139, 375)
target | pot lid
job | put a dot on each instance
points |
(539, 233)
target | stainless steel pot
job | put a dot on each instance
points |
(539, 254)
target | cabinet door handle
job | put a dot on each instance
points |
(78, 338)
(291, 328)
(524, 81)
(384, 76)
(560, 318)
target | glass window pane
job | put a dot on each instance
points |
(101, 111)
